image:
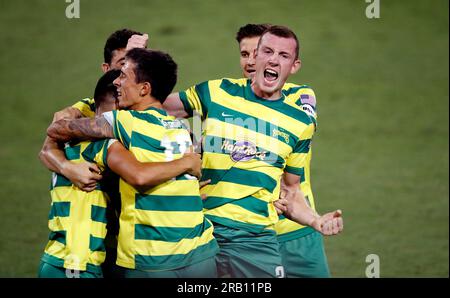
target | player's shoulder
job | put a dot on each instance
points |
(301, 96)
(290, 89)
(229, 82)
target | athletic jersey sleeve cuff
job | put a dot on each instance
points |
(294, 170)
(186, 105)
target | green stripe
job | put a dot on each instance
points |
(96, 243)
(93, 149)
(98, 214)
(124, 137)
(60, 181)
(58, 262)
(146, 117)
(254, 228)
(148, 143)
(73, 153)
(240, 176)
(295, 171)
(214, 145)
(293, 90)
(169, 234)
(252, 123)
(202, 91)
(59, 236)
(176, 261)
(302, 146)
(279, 105)
(168, 203)
(160, 111)
(59, 209)
(115, 128)
(186, 104)
(249, 203)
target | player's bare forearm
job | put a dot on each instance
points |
(149, 174)
(81, 129)
(52, 155)
(294, 204)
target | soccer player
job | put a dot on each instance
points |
(163, 231)
(301, 247)
(252, 138)
(84, 174)
(77, 219)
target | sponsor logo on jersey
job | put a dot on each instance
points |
(242, 150)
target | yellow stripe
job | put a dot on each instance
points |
(56, 249)
(149, 129)
(233, 191)
(97, 257)
(176, 188)
(296, 160)
(174, 219)
(285, 226)
(221, 129)
(238, 213)
(256, 110)
(162, 248)
(219, 161)
(73, 194)
(144, 155)
(194, 100)
(98, 229)
(59, 223)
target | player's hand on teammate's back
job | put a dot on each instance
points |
(83, 175)
(137, 41)
(330, 223)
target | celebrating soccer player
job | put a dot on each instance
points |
(252, 138)
(163, 231)
(301, 247)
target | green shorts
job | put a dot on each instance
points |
(47, 270)
(247, 254)
(305, 256)
(204, 269)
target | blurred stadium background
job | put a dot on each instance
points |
(380, 153)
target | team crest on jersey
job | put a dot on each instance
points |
(242, 150)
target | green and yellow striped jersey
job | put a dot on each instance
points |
(299, 97)
(86, 107)
(77, 219)
(248, 142)
(163, 228)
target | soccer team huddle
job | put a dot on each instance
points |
(135, 193)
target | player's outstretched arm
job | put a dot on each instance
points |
(293, 204)
(81, 129)
(148, 174)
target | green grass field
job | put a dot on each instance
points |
(380, 153)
